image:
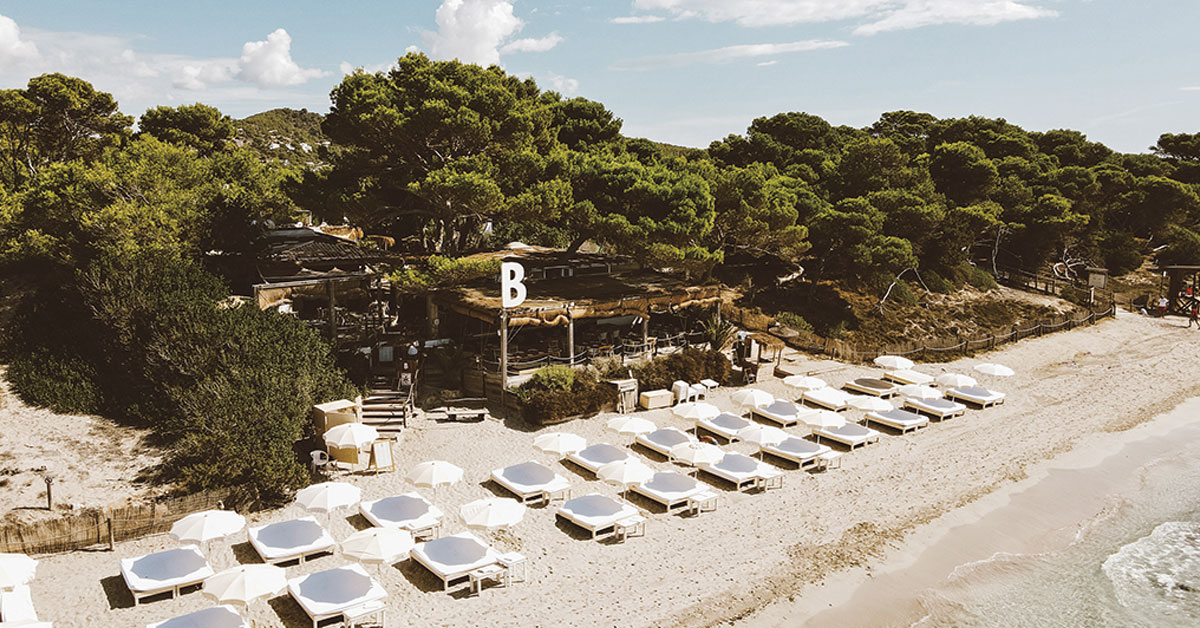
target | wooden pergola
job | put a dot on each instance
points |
(562, 301)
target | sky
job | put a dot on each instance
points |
(685, 72)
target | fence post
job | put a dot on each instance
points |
(112, 542)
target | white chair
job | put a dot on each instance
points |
(319, 459)
(699, 391)
(682, 391)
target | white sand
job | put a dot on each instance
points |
(756, 547)
(37, 441)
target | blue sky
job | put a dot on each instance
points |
(680, 71)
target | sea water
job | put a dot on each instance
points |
(1134, 562)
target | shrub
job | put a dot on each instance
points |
(719, 332)
(903, 294)
(795, 321)
(552, 378)
(690, 365)
(981, 279)
(936, 283)
(63, 383)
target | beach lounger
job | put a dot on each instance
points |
(16, 607)
(871, 386)
(908, 376)
(454, 557)
(977, 395)
(345, 592)
(900, 420)
(828, 398)
(672, 490)
(851, 435)
(160, 572)
(781, 412)
(531, 482)
(225, 616)
(410, 511)
(804, 453)
(939, 409)
(598, 514)
(725, 425)
(595, 456)
(286, 541)
(662, 440)
(744, 472)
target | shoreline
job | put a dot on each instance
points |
(1040, 513)
(756, 548)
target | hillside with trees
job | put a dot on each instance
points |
(105, 233)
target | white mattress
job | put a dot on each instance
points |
(976, 394)
(831, 398)
(165, 570)
(725, 425)
(908, 376)
(519, 479)
(739, 469)
(937, 407)
(595, 456)
(339, 589)
(663, 439)
(899, 419)
(595, 512)
(278, 550)
(782, 412)
(223, 616)
(851, 434)
(668, 487)
(396, 512)
(797, 450)
(430, 554)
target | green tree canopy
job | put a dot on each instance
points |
(196, 126)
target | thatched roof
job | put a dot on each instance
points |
(555, 301)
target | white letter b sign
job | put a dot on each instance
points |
(512, 288)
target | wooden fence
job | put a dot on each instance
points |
(104, 526)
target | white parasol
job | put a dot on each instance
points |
(867, 403)
(762, 435)
(559, 443)
(805, 383)
(245, 583)
(351, 436)
(435, 473)
(822, 419)
(328, 496)
(917, 391)
(378, 545)
(695, 411)
(752, 398)
(625, 473)
(993, 369)
(210, 525)
(16, 569)
(893, 362)
(492, 513)
(955, 380)
(631, 425)
(697, 454)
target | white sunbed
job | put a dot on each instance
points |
(596, 513)
(345, 590)
(410, 511)
(851, 435)
(663, 439)
(454, 557)
(744, 472)
(725, 425)
(781, 412)
(871, 386)
(224, 616)
(977, 395)
(168, 570)
(939, 409)
(595, 456)
(804, 453)
(830, 398)
(672, 490)
(908, 376)
(16, 607)
(286, 541)
(531, 482)
(900, 420)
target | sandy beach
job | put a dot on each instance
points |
(756, 548)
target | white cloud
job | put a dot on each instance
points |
(637, 19)
(728, 53)
(766, 63)
(878, 15)
(533, 45)
(269, 63)
(479, 31)
(563, 85)
(1190, 88)
(202, 74)
(348, 68)
(12, 47)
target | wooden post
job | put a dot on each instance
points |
(646, 332)
(49, 492)
(570, 339)
(332, 310)
(503, 352)
(112, 540)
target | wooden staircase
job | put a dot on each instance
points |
(388, 408)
